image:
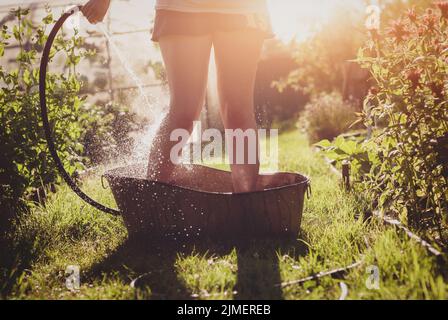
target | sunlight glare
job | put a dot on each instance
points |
(298, 18)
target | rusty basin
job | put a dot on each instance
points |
(202, 205)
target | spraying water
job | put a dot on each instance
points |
(142, 140)
(126, 65)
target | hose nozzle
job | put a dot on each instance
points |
(73, 9)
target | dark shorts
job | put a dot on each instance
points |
(169, 23)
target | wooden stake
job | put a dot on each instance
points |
(346, 175)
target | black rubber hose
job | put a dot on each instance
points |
(46, 124)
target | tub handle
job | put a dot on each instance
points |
(105, 187)
(309, 191)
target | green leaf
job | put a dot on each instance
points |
(349, 147)
(48, 19)
(27, 77)
(323, 144)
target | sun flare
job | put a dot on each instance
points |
(298, 18)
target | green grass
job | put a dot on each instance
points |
(334, 234)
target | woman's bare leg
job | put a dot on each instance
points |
(237, 55)
(186, 61)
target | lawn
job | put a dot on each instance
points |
(334, 234)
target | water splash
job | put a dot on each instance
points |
(126, 65)
(155, 109)
(143, 141)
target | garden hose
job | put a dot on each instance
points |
(46, 125)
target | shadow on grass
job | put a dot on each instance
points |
(14, 261)
(15, 256)
(154, 266)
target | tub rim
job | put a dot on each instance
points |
(306, 181)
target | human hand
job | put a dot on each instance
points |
(95, 10)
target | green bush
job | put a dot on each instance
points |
(410, 65)
(24, 161)
(328, 116)
(405, 162)
(81, 131)
(273, 106)
(107, 132)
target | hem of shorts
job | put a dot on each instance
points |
(266, 35)
(193, 10)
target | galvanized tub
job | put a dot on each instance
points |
(202, 205)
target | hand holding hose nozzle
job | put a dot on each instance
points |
(95, 10)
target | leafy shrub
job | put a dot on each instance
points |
(407, 172)
(107, 132)
(328, 116)
(274, 106)
(25, 165)
(359, 153)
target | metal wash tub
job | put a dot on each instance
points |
(204, 205)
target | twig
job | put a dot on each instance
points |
(213, 295)
(409, 233)
(394, 222)
(321, 275)
(332, 168)
(134, 285)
